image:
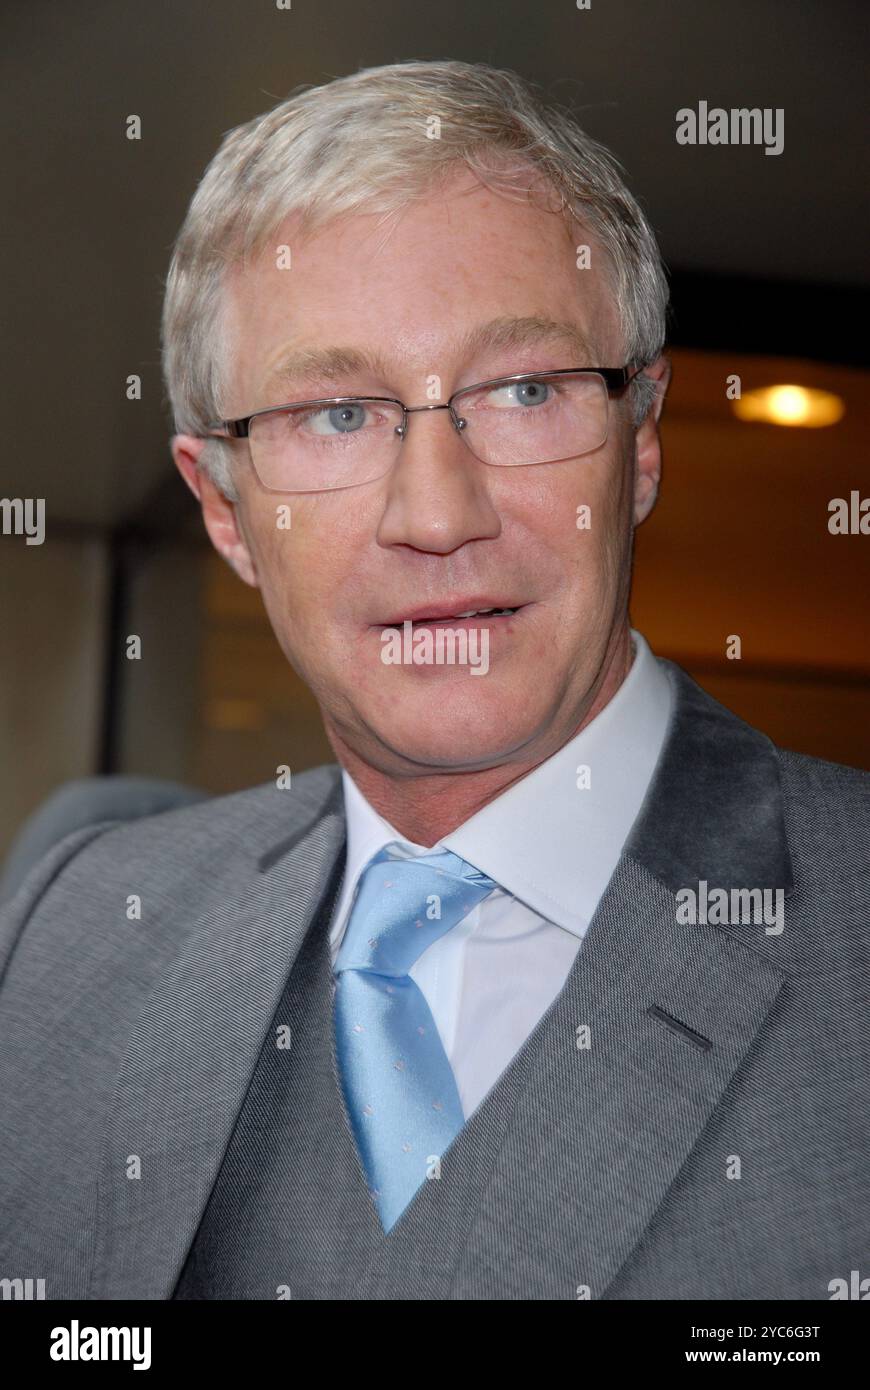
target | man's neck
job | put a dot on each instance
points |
(424, 808)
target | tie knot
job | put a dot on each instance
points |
(403, 905)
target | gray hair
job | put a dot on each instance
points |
(359, 144)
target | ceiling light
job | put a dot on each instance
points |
(790, 405)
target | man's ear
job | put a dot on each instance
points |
(648, 465)
(218, 511)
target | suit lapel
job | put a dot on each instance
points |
(666, 1014)
(600, 1131)
(191, 1057)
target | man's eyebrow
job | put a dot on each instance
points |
(529, 331)
(331, 364)
(339, 364)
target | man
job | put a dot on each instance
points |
(556, 986)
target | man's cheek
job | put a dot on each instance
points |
(280, 553)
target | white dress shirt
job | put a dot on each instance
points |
(551, 846)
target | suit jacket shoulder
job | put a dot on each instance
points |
(179, 863)
(827, 808)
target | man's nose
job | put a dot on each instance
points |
(437, 493)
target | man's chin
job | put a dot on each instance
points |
(454, 734)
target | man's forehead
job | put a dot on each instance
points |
(295, 363)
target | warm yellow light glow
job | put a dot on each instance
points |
(790, 405)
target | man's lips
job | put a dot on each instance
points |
(455, 610)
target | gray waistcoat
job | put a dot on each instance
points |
(290, 1210)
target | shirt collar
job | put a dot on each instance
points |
(548, 841)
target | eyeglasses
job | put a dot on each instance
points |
(510, 421)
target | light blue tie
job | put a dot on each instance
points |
(399, 1088)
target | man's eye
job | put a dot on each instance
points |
(346, 418)
(519, 393)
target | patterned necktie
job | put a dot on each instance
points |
(398, 1085)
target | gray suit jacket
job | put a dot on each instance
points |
(711, 1140)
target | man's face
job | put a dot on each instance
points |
(442, 533)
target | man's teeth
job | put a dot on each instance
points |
(473, 613)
